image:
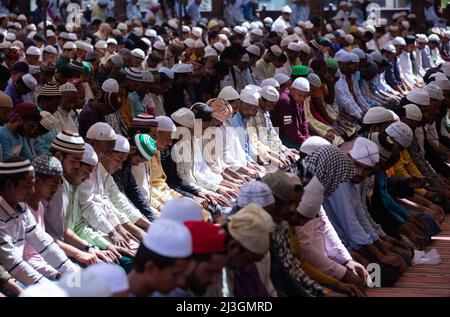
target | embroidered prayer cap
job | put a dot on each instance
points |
(168, 72)
(147, 76)
(137, 52)
(390, 48)
(305, 48)
(398, 41)
(361, 54)
(419, 97)
(413, 112)
(33, 50)
(110, 85)
(111, 41)
(275, 50)
(68, 142)
(434, 91)
(270, 82)
(350, 39)
(69, 46)
(385, 153)
(159, 46)
(47, 164)
(281, 78)
(313, 143)
(184, 117)
(228, 93)
(189, 42)
(255, 192)
(422, 38)
(67, 87)
(286, 9)
(168, 238)
(219, 46)
(301, 84)
(122, 145)
(15, 165)
(49, 90)
(29, 81)
(434, 38)
(165, 124)
(270, 93)
(145, 145)
(210, 52)
(117, 60)
(182, 68)
(377, 115)
(314, 80)
(182, 209)
(250, 229)
(101, 131)
(365, 152)
(250, 96)
(89, 156)
(197, 31)
(254, 50)
(47, 120)
(401, 133)
(144, 120)
(113, 275)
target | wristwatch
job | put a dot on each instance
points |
(86, 248)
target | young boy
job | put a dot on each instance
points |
(125, 179)
(48, 171)
(17, 225)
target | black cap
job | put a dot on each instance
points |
(39, 37)
(410, 39)
(29, 42)
(202, 111)
(20, 67)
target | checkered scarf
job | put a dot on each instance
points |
(331, 166)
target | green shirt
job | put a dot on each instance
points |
(75, 221)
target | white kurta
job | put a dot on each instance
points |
(97, 210)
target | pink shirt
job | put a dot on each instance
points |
(31, 255)
(322, 247)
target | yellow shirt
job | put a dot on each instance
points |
(160, 191)
(405, 167)
(319, 126)
(125, 110)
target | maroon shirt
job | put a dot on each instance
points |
(290, 118)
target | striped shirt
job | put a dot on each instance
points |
(17, 226)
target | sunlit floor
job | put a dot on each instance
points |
(424, 280)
